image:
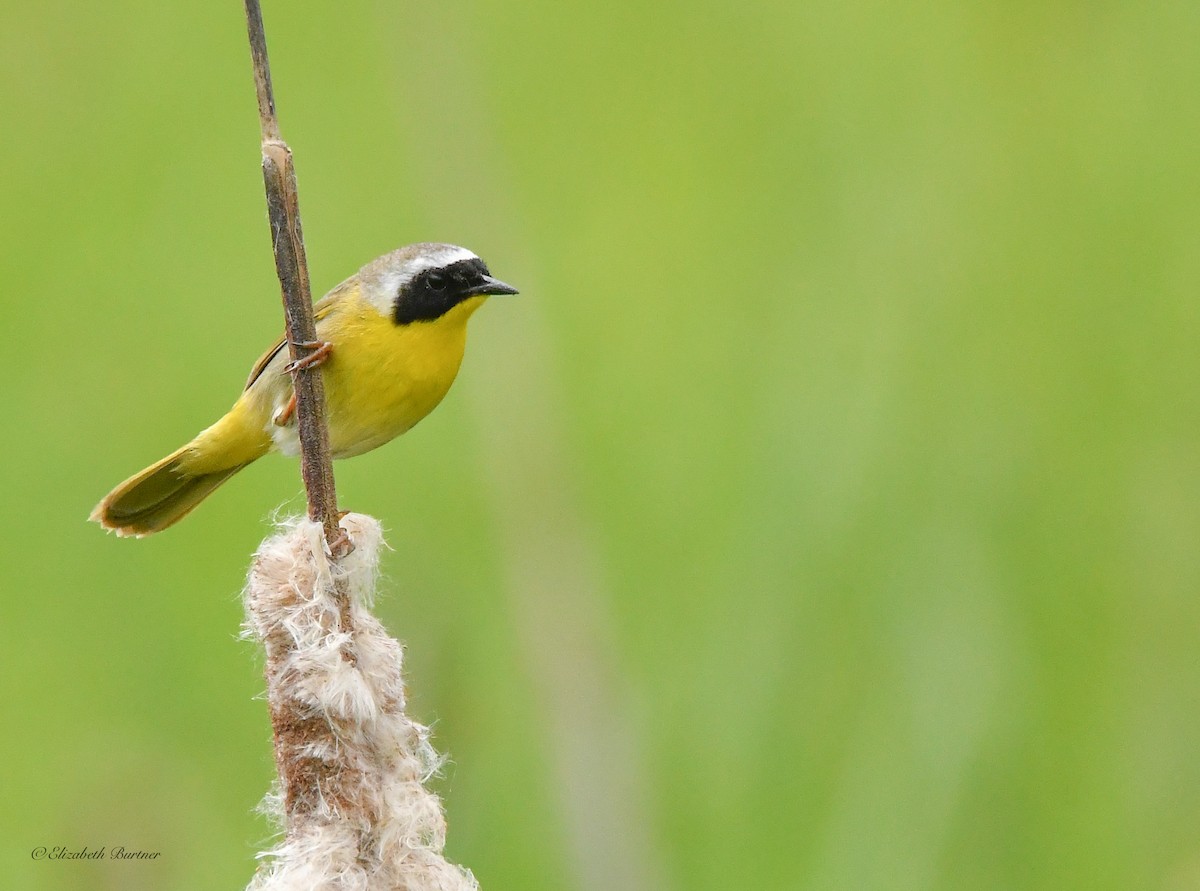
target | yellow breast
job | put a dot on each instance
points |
(382, 378)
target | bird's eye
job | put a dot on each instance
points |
(436, 281)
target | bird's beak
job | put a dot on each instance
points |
(491, 285)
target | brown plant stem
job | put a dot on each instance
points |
(283, 209)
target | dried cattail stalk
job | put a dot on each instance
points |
(351, 798)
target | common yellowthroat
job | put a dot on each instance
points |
(392, 338)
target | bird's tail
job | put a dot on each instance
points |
(160, 496)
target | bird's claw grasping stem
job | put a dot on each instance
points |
(281, 417)
(320, 352)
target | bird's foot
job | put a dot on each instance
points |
(283, 415)
(320, 352)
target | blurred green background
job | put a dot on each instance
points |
(823, 515)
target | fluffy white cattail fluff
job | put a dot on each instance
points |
(351, 798)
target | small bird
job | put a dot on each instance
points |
(391, 339)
